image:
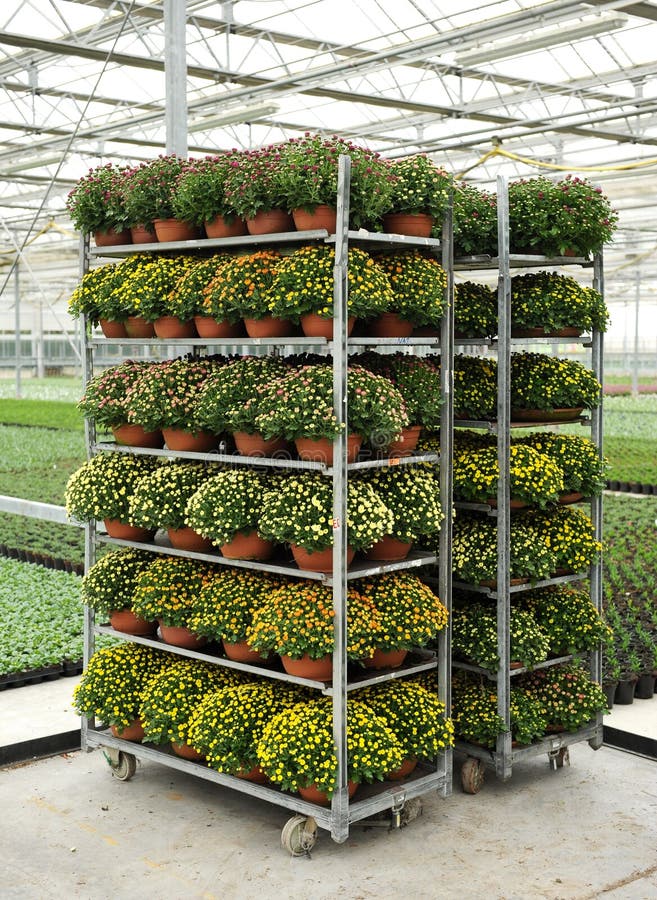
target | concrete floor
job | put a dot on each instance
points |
(71, 830)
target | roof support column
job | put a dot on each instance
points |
(175, 70)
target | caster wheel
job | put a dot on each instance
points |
(299, 835)
(560, 759)
(125, 767)
(412, 810)
(472, 775)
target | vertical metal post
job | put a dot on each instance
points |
(175, 74)
(446, 481)
(635, 359)
(86, 355)
(17, 328)
(503, 754)
(340, 799)
(597, 363)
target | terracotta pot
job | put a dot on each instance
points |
(407, 766)
(316, 669)
(413, 224)
(181, 636)
(389, 549)
(124, 532)
(240, 651)
(138, 327)
(389, 324)
(248, 545)
(132, 732)
(268, 326)
(565, 414)
(254, 774)
(385, 659)
(219, 227)
(319, 561)
(513, 504)
(175, 230)
(406, 443)
(173, 327)
(314, 325)
(134, 436)
(179, 439)
(321, 450)
(572, 497)
(143, 234)
(427, 331)
(208, 327)
(571, 331)
(186, 538)
(125, 621)
(112, 237)
(256, 445)
(492, 583)
(313, 795)
(186, 751)
(111, 328)
(322, 216)
(270, 221)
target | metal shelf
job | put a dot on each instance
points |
(281, 565)
(374, 798)
(503, 755)
(265, 461)
(346, 678)
(417, 661)
(520, 670)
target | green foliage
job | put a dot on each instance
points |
(58, 414)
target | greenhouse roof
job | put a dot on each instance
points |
(508, 88)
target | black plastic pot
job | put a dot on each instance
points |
(645, 687)
(609, 692)
(625, 692)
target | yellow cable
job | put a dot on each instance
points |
(498, 151)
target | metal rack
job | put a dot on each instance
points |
(503, 756)
(399, 800)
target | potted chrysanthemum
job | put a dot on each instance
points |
(475, 387)
(105, 401)
(242, 290)
(299, 512)
(419, 285)
(300, 409)
(159, 501)
(302, 290)
(226, 402)
(295, 620)
(148, 191)
(411, 616)
(167, 592)
(101, 489)
(547, 304)
(570, 534)
(579, 459)
(474, 551)
(416, 717)
(411, 494)
(225, 606)
(420, 195)
(199, 196)
(253, 188)
(166, 399)
(169, 700)
(289, 757)
(474, 636)
(475, 221)
(226, 726)
(95, 204)
(112, 684)
(535, 479)
(226, 509)
(546, 387)
(475, 310)
(108, 586)
(569, 618)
